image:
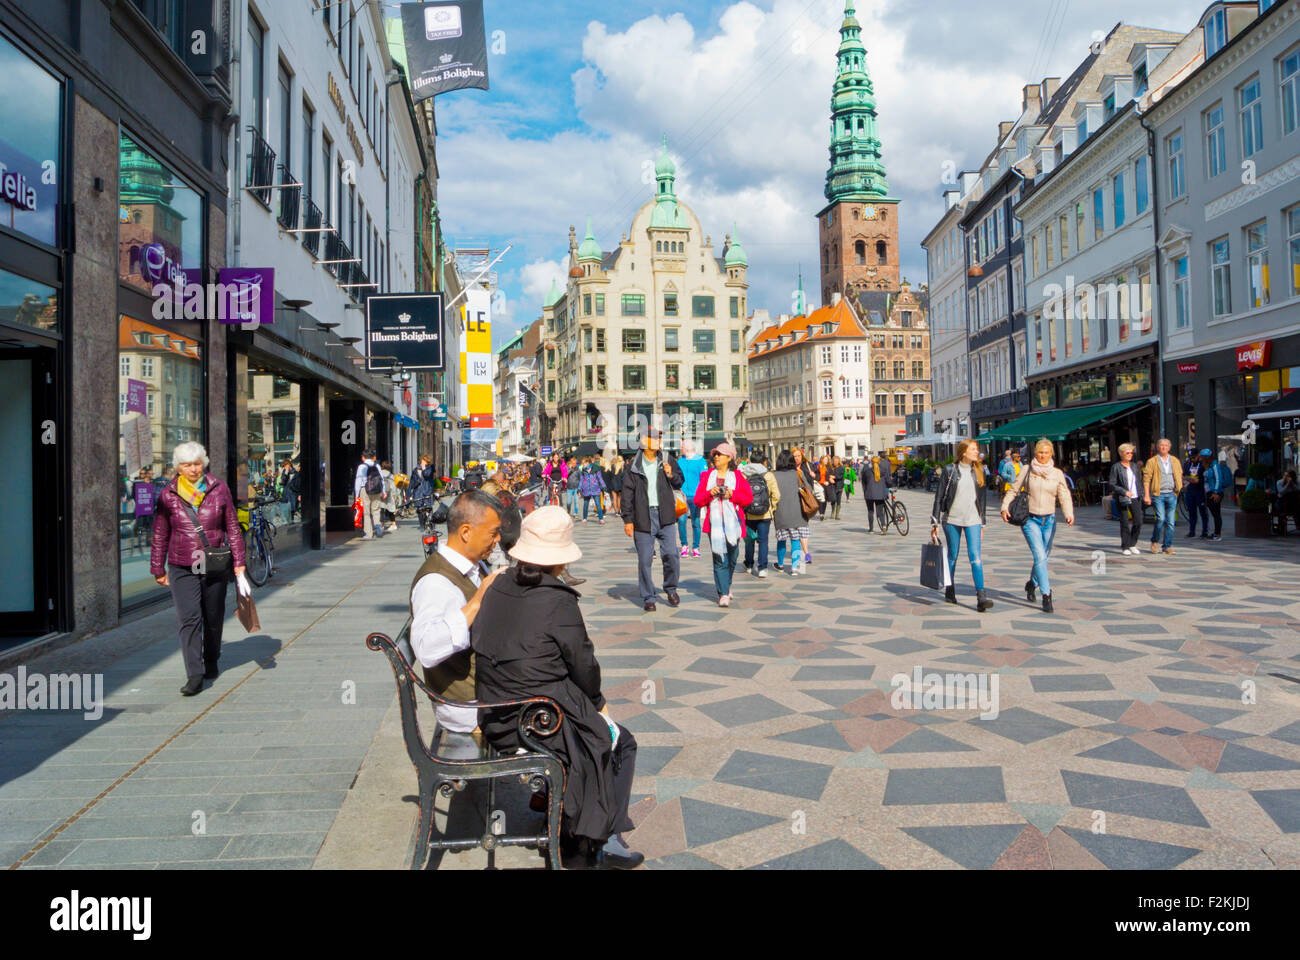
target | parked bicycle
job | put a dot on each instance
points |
(261, 531)
(896, 514)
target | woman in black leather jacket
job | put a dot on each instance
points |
(960, 507)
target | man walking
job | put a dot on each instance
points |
(692, 466)
(1162, 480)
(369, 487)
(1218, 484)
(1195, 496)
(650, 515)
(445, 598)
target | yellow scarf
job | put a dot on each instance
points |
(875, 468)
(190, 492)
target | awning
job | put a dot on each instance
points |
(1059, 424)
(408, 422)
(925, 440)
(1287, 405)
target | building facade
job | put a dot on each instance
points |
(650, 333)
(949, 367)
(1227, 140)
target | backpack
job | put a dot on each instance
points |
(374, 481)
(762, 497)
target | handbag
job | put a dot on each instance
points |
(680, 505)
(217, 561)
(1018, 510)
(819, 492)
(934, 566)
(807, 501)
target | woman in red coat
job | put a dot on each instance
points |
(177, 553)
(722, 496)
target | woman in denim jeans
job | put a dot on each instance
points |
(1047, 488)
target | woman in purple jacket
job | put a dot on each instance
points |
(177, 553)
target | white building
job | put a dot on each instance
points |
(949, 367)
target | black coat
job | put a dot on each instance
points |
(873, 489)
(532, 642)
(947, 490)
(1118, 484)
(636, 504)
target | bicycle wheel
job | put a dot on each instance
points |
(900, 519)
(258, 561)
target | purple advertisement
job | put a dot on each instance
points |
(251, 294)
(135, 396)
(142, 492)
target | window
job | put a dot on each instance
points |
(308, 145)
(1140, 188)
(286, 117)
(882, 405)
(1293, 231)
(670, 340)
(826, 356)
(918, 369)
(550, 390)
(600, 341)
(670, 304)
(1216, 141)
(1117, 198)
(601, 382)
(1063, 228)
(882, 253)
(735, 308)
(735, 376)
(634, 305)
(550, 359)
(1081, 130)
(1034, 263)
(146, 367)
(257, 74)
(1098, 213)
(828, 389)
(634, 341)
(844, 353)
(634, 378)
(857, 353)
(1051, 253)
(1174, 151)
(706, 377)
(1216, 33)
(327, 161)
(1221, 278)
(586, 304)
(671, 380)
(586, 339)
(1140, 81)
(900, 369)
(918, 403)
(900, 404)
(878, 369)
(701, 306)
(703, 341)
(1257, 265)
(735, 341)
(1289, 91)
(600, 304)
(587, 377)
(1108, 107)
(860, 253)
(1251, 106)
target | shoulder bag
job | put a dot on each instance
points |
(218, 562)
(1018, 510)
(807, 502)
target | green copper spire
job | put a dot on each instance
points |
(589, 249)
(800, 301)
(856, 171)
(553, 297)
(735, 252)
(666, 214)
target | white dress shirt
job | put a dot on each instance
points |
(439, 629)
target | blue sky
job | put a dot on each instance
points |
(583, 92)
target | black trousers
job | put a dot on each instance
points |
(1130, 524)
(200, 615)
(878, 506)
(624, 771)
(1216, 511)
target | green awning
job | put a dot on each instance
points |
(1059, 424)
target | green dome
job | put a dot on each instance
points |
(665, 167)
(553, 297)
(735, 252)
(589, 249)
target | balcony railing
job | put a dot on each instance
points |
(261, 167)
(290, 199)
(333, 252)
(312, 223)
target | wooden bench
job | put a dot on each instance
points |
(538, 768)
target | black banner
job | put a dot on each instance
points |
(446, 47)
(405, 329)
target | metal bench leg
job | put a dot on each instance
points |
(424, 826)
(554, 813)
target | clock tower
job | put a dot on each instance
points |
(858, 229)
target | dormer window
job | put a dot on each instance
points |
(1081, 131)
(828, 328)
(1216, 32)
(1108, 108)
(1139, 80)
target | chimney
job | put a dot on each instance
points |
(1030, 98)
(1049, 86)
(835, 299)
(1004, 128)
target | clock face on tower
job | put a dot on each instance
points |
(868, 213)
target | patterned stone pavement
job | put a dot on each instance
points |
(1144, 724)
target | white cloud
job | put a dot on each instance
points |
(536, 278)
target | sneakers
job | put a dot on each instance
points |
(724, 600)
(1155, 547)
(685, 552)
(762, 574)
(1215, 539)
(1169, 550)
(695, 552)
(798, 567)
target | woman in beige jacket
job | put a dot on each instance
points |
(1047, 488)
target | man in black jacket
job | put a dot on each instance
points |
(650, 514)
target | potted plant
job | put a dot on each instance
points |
(1252, 519)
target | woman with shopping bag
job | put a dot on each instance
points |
(722, 496)
(959, 508)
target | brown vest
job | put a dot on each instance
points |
(454, 677)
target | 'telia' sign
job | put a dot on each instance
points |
(15, 190)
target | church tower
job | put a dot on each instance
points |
(858, 229)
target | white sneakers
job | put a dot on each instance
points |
(762, 574)
(725, 600)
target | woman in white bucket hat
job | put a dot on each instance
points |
(530, 641)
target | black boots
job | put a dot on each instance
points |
(950, 594)
(210, 671)
(192, 686)
(982, 602)
(1029, 590)
(1047, 603)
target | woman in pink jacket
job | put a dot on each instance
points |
(556, 473)
(722, 496)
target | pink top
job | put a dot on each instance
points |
(741, 497)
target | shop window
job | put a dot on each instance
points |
(160, 228)
(31, 119)
(706, 377)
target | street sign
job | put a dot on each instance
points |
(546, 451)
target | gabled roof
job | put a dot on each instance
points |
(843, 319)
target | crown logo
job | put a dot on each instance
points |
(445, 58)
(404, 317)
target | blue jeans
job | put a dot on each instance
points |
(694, 516)
(571, 500)
(1039, 532)
(760, 528)
(780, 552)
(973, 553)
(599, 499)
(724, 568)
(1162, 532)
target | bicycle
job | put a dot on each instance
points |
(895, 513)
(261, 543)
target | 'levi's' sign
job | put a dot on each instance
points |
(1254, 356)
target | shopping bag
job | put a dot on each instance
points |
(681, 506)
(357, 513)
(934, 566)
(246, 611)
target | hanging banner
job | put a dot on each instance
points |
(477, 399)
(446, 47)
(405, 329)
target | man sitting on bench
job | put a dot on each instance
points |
(445, 598)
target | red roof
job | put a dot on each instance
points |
(842, 317)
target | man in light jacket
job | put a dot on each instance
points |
(1162, 481)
